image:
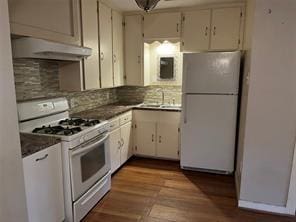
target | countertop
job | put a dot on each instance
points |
(112, 110)
(31, 144)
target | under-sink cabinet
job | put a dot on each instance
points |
(120, 140)
(44, 185)
(157, 134)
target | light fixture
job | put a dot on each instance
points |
(147, 5)
(166, 48)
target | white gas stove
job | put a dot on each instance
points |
(85, 151)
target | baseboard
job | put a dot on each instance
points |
(265, 208)
(237, 185)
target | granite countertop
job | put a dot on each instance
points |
(112, 110)
(31, 144)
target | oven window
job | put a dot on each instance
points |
(92, 162)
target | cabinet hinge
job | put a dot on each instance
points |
(241, 14)
(178, 152)
(123, 24)
(124, 77)
(143, 35)
(183, 18)
(143, 18)
(239, 41)
(135, 126)
(136, 148)
(179, 129)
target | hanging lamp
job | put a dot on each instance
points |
(147, 5)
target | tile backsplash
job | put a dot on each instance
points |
(37, 79)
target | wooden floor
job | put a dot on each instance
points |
(158, 191)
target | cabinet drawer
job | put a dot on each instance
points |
(114, 123)
(127, 117)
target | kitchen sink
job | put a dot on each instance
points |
(170, 106)
(157, 106)
(150, 106)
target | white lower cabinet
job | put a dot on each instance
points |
(120, 140)
(145, 138)
(44, 185)
(115, 146)
(157, 134)
(168, 140)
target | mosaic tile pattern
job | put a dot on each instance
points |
(37, 79)
(149, 94)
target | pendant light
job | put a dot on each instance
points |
(147, 5)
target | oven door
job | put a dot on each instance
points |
(89, 163)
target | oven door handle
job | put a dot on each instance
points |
(89, 147)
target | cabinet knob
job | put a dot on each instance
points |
(214, 31)
(177, 27)
(152, 137)
(206, 31)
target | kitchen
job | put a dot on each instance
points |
(117, 83)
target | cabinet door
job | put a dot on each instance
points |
(106, 46)
(168, 140)
(44, 185)
(145, 141)
(126, 149)
(115, 146)
(90, 37)
(134, 50)
(162, 26)
(118, 67)
(52, 20)
(226, 24)
(196, 30)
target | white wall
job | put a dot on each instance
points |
(151, 63)
(12, 191)
(270, 126)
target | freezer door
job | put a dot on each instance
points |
(211, 73)
(208, 132)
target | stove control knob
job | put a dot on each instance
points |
(81, 140)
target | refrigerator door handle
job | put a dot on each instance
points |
(185, 108)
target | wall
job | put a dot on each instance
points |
(36, 79)
(151, 63)
(149, 94)
(245, 89)
(270, 125)
(12, 192)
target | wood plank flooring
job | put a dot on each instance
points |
(147, 190)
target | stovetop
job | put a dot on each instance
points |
(67, 127)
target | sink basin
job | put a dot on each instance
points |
(150, 106)
(171, 106)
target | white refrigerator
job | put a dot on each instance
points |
(209, 115)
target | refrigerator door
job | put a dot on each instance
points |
(211, 73)
(208, 132)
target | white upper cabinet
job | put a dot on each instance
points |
(134, 50)
(212, 29)
(90, 37)
(106, 55)
(162, 26)
(118, 63)
(47, 19)
(196, 30)
(226, 28)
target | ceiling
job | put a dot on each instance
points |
(130, 5)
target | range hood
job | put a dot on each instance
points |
(28, 47)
